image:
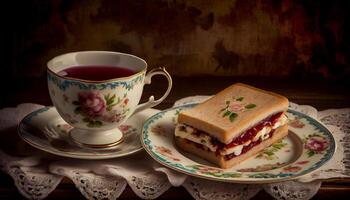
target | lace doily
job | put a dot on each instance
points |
(36, 176)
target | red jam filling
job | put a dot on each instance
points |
(250, 133)
(243, 138)
(232, 155)
(246, 148)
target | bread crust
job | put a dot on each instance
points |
(208, 118)
(219, 160)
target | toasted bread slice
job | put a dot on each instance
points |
(278, 134)
(233, 110)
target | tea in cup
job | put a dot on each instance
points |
(97, 91)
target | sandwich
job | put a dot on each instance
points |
(235, 124)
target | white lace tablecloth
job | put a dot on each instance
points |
(38, 175)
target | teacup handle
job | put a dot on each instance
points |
(151, 102)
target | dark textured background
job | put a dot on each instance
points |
(301, 38)
(298, 48)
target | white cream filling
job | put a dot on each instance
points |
(202, 139)
(281, 121)
(263, 134)
(237, 150)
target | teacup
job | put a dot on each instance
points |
(96, 108)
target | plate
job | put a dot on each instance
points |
(308, 146)
(44, 129)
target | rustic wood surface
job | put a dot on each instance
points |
(319, 93)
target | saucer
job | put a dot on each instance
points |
(44, 129)
(308, 146)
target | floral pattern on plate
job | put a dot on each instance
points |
(287, 159)
(296, 123)
(158, 129)
(315, 144)
(212, 171)
(262, 168)
(270, 153)
(166, 152)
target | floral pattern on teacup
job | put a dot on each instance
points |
(235, 106)
(64, 84)
(315, 144)
(127, 129)
(91, 104)
(97, 108)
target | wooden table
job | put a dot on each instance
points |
(318, 93)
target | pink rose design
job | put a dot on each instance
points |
(204, 169)
(91, 103)
(297, 123)
(302, 162)
(292, 169)
(166, 152)
(163, 150)
(316, 144)
(236, 107)
(126, 101)
(158, 130)
(67, 126)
